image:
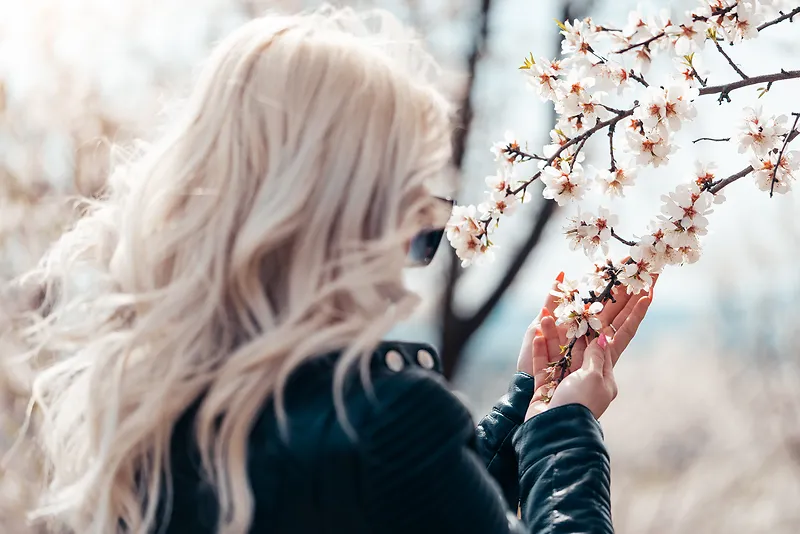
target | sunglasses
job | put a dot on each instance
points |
(424, 245)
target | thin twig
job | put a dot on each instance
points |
(523, 156)
(697, 76)
(638, 78)
(717, 139)
(786, 141)
(783, 17)
(612, 110)
(628, 242)
(578, 139)
(611, 129)
(730, 61)
(645, 43)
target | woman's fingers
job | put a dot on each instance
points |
(593, 356)
(551, 335)
(628, 329)
(612, 309)
(551, 301)
(623, 315)
(540, 360)
(578, 353)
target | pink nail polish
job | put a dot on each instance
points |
(602, 341)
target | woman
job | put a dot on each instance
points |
(223, 371)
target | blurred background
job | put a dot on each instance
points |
(705, 434)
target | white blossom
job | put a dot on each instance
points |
(579, 317)
(667, 108)
(653, 148)
(745, 24)
(614, 182)
(464, 232)
(584, 113)
(759, 133)
(591, 232)
(656, 250)
(764, 171)
(688, 37)
(579, 36)
(599, 277)
(499, 181)
(685, 211)
(575, 90)
(498, 203)
(564, 183)
(636, 275)
(689, 67)
(501, 149)
(637, 30)
(566, 292)
(610, 75)
(544, 77)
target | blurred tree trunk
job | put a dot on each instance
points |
(458, 328)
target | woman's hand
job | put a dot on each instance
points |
(544, 339)
(592, 385)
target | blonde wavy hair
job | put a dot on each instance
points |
(267, 225)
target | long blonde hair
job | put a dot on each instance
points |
(266, 226)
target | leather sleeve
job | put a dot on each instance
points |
(494, 433)
(565, 482)
(420, 473)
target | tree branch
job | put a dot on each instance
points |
(730, 61)
(783, 17)
(451, 321)
(548, 209)
(786, 141)
(724, 90)
(577, 139)
(719, 186)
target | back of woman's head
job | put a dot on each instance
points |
(265, 227)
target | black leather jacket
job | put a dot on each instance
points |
(418, 465)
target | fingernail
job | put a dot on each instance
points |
(602, 341)
(560, 277)
(538, 332)
(546, 313)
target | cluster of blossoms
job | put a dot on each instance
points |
(602, 66)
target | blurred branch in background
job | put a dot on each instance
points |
(459, 328)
